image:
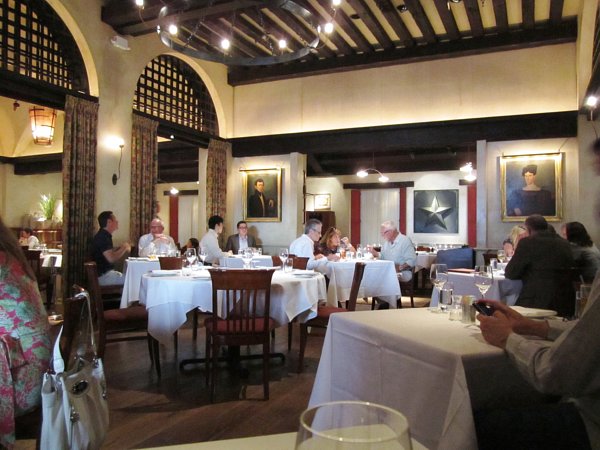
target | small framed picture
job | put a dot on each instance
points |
(262, 195)
(322, 202)
(531, 184)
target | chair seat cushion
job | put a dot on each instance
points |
(133, 317)
(237, 325)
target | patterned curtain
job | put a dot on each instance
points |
(144, 174)
(79, 182)
(216, 177)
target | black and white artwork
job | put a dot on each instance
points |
(436, 211)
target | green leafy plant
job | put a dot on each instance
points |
(48, 205)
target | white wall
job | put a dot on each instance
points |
(533, 80)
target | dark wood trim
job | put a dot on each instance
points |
(389, 185)
(467, 183)
(355, 215)
(403, 211)
(182, 192)
(180, 132)
(513, 40)
(37, 164)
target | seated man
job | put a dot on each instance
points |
(543, 262)
(28, 238)
(210, 241)
(104, 253)
(398, 248)
(155, 242)
(304, 246)
(241, 240)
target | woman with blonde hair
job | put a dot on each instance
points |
(517, 232)
(24, 337)
(331, 243)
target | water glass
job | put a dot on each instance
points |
(288, 266)
(247, 255)
(446, 296)
(468, 311)
(352, 425)
(456, 308)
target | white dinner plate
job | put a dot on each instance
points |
(534, 313)
(164, 273)
(305, 275)
(201, 276)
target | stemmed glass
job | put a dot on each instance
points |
(247, 255)
(484, 277)
(283, 255)
(438, 276)
(190, 255)
(501, 256)
(202, 254)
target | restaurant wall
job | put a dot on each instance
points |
(271, 235)
(340, 200)
(534, 80)
(491, 231)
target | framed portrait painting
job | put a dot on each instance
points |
(322, 202)
(531, 184)
(261, 192)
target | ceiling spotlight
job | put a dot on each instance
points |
(336, 2)
(282, 44)
(361, 173)
(225, 44)
(402, 8)
(383, 179)
(328, 28)
(174, 190)
(591, 101)
(173, 29)
(139, 3)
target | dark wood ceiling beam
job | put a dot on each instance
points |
(395, 138)
(197, 13)
(33, 165)
(339, 42)
(474, 16)
(314, 165)
(391, 14)
(447, 19)
(528, 12)
(273, 29)
(241, 46)
(345, 23)
(366, 15)
(418, 13)
(566, 32)
(556, 9)
(501, 15)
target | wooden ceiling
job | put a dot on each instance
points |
(367, 33)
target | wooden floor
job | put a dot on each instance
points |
(148, 412)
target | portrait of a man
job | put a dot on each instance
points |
(262, 190)
(531, 185)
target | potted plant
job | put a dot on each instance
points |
(48, 206)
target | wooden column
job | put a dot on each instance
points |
(174, 217)
(472, 215)
(402, 210)
(355, 216)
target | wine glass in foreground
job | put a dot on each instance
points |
(484, 278)
(438, 276)
(202, 254)
(283, 255)
(352, 425)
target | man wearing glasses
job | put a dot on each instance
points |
(241, 240)
(304, 246)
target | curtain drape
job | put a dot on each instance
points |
(377, 206)
(216, 178)
(144, 175)
(79, 181)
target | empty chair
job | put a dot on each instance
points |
(457, 258)
(323, 312)
(239, 294)
(116, 325)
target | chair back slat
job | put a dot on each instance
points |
(91, 272)
(170, 262)
(359, 270)
(299, 262)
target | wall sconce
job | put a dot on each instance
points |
(42, 124)
(365, 172)
(117, 142)
(174, 190)
(590, 103)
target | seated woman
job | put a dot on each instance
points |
(24, 337)
(192, 243)
(585, 253)
(332, 243)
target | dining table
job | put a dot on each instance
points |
(236, 261)
(502, 289)
(379, 280)
(133, 269)
(169, 296)
(433, 370)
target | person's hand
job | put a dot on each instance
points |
(518, 323)
(495, 329)
(126, 246)
(319, 256)
(333, 257)
(345, 240)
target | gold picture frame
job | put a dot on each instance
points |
(322, 202)
(531, 184)
(261, 203)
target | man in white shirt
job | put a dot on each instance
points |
(210, 241)
(304, 246)
(156, 242)
(241, 240)
(398, 248)
(29, 239)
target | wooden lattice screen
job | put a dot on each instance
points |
(170, 90)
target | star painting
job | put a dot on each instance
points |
(436, 211)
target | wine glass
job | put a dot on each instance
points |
(190, 256)
(501, 256)
(283, 255)
(352, 425)
(247, 255)
(202, 254)
(484, 277)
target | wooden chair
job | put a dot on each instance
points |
(276, 261)
(408, 288)
(299, 262)
(323, 312)
(487, 256)
(237, 293)
(115, 325)
(170, 262)
(34, 259)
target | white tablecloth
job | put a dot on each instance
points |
(236, 262)
(501, 289)
(379, 279)
(168, 299)
(429, 368)
(424, 260)
(134, 269)
(48, 257)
